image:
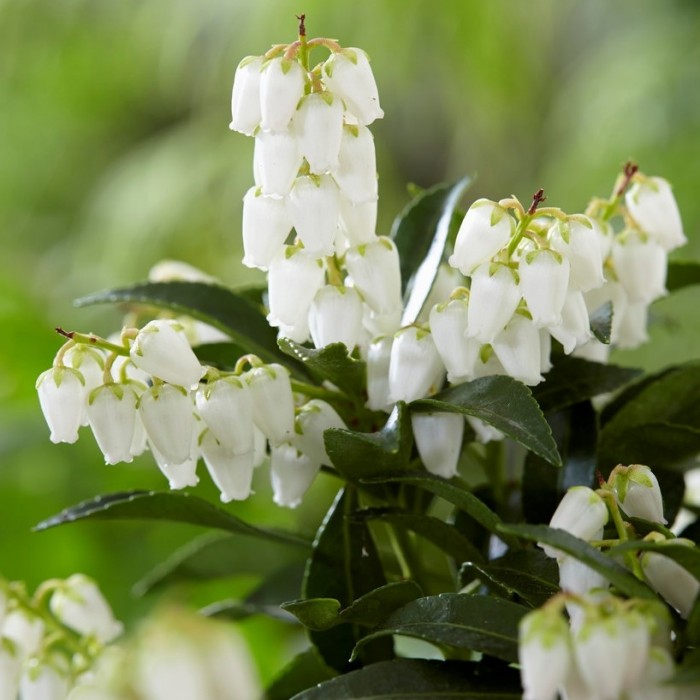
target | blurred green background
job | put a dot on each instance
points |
(115, 154)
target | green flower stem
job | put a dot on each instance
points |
(621, 527)
(316, 392)
(249, 359)
(93, 340)
(335, 277)
(519, 232)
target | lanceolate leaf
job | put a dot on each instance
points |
(469, 622)
(687, 556)
(220, 355)
(175, 507)
(620, 577)
(505, 404)
(418, 679)
(229, 311)
(420, 233)
(304, 671)
(601, 322)
(682, 273)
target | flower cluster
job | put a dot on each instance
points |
(49, 642)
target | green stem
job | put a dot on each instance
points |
(621, 527)
(93, 340)
(316, 392)
(519, 233)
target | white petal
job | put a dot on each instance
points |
(494, 296)
(245, 97)
(378, 358)
(111, 410)
(281, 87)
(544, 280)
(276, 162)
(575, 326)
(266, 225)
(232, 473)
(318, 125)
(313, 420)
(448, 324)
(439, 441)
(335, 316)
(358, 221)
(314, 208)
(62, 397)
(654, 207)
(273, 403)
(356, 173)
(292, 473)
(374, 269)
(641, 268)
(415, 367)
(582, 249)
(517, 346)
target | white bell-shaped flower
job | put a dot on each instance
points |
(640, 264)
(577, 578)
(358, 221)
(378, 359)
(297, 331)
(415, 367)
(484, 432)
(593, 351)
(47, 678)
(637, 630)
(314, 208)
(545, 351)
(245, 97)
(25, 630)
(582, 513)
(349, 75)
(318, 125)
(356, 173)
(575, 326)
(606, 236)
(139, 443)
(259, 447)
(374, 269)
(578, 241)
(10, 671)
(544, 280)
(179, 476)
(494, 296)
(313, 420)
(167, 412)
(111, 410)
(544, 653)
(291, 473)
(335, 316)
(79, 604)
(652, 684)
(448, 324)
(381, 323)
(231, 472)
(161, 349)
(517, 346)
(653, 206)
(281, 87)
(486, 229)
(62, 398)
(676, 585)
(445, 283)
(631, 327)
(276, 162)
(638, 493)
(293, 280)
(273, 402)
(226, 407)
(266, 225)
(439, 441)
(90, 362)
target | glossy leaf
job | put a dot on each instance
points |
(685, 556)
(237, 610)
(304, 671)
(682, 273)
(601, 322)
(420, 233)
(418, 679)
(505, 404)
(156, 505)
(220, 355)
(620, 577)
(469, 622)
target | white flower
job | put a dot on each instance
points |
(245, 97)
(281, 87)
(276, 162)
(335, 316)
(415, 367)
(259, 446)
(578, 578)
(378, 359)
(381, 323)
(637, 491)
(358, 221)
(578, 241)
(356, 173)
(485, 230)
(231, 472)
(90, 362)
(640, 265)
(485, 433)
(575, 326)
(266, 225)
(61, 396)
(348, 74)
(111, 410)
(79, 604)
(161, 349)
(658, 668)
(45, 679)
(180, 475)
(292, 472)
(544, 280)
(517, 346)
(493, 298)
(374, 269)
(314, 208)
(448, 324)
(318, 125)
(10, 670)
(653, 206)
(630, 330)
(167, 412)
(273, 403)
(313, 420)
(226, 406)
(439, 441)
(25, 630)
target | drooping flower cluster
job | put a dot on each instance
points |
(49, 642)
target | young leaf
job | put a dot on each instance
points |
(420, 233)
(155, 505)
(418, 679)
(470, 622)
(304, 671)
(601, 322)
(505, 404)
(622, 579)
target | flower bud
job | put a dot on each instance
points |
(161, 349)
(281, 87)
(231, 472)
(313, 420)
(640, 264)
(318, 125)
(111, 410)
(493, 299)
(245, 97)
(486, 229)
(578, 241)
(637, 491)
(335, 316)
(266, 225)
(273, 403)
(378, 359)
(292, 473)
(415, 368)
(314, 207)
(439, 441)
(374, 269)
(61, 396)
(448, 324)
(517, 346)
(276, 162)
(653, 206)
(544, 280)
(356, 173)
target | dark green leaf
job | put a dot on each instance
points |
(682, 273)
(231, 312)
(332, 363)
(505, 404)
(237, 610)
(315, 613)
(304, 671)
(620, 577)
(601, 322)
(220, 355)
(155, 505)
(363, 455)
(572, 380)
(685, 556)
(688, 673)
(473, 622)
(452, 491)
(420, 233)
(417, 679)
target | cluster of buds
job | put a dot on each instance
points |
(49, 642)
(164, 400)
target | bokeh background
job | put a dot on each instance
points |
(115, 154)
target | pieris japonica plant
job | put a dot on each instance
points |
(446, 385)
